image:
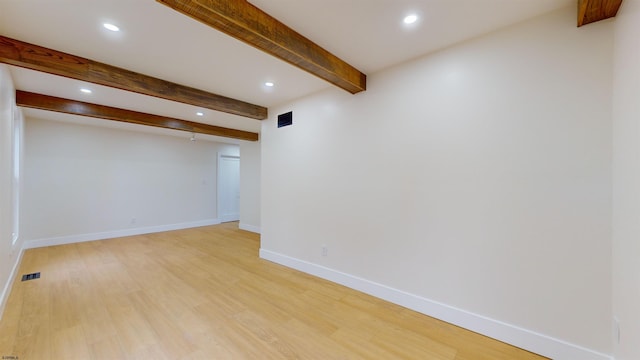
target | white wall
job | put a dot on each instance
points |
(250, 186)
(83, 180)
(475, 181)
(9, 254)
(626, 180)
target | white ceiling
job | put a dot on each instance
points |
(158, 41)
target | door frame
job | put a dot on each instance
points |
(218, 185)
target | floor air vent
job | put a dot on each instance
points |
(31, 276)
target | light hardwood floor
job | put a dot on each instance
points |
(203, 293)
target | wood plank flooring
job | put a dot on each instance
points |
(203, 293)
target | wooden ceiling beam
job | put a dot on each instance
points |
(590, 11)
(245, 22)
(67, 106)
(34, 57)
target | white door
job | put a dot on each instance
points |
(228, 188)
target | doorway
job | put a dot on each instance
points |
(228, 188)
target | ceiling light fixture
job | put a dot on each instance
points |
(111, 27)
(200, 113)
(269, 84)
(86, 91)
(410, 19)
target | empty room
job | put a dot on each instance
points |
(320, 179)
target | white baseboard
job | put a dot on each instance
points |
(514, 335)
(247, 227)
(9, 284)
(230, 217)
(62, 240)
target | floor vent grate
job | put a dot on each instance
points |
(31, 276)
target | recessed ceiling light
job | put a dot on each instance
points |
(199, 113)
(86, 91)
(269, 84)
(410, 19)
(111, 27)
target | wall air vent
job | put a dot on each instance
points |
(31, 276)
(285, 119)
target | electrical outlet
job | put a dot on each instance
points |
(616, 330)
(133, 221)
(325, 250)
